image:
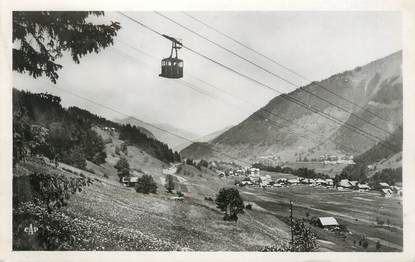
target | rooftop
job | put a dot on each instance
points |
(328, 221)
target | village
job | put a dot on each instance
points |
(253, 177)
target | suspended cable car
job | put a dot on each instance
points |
(172, 67)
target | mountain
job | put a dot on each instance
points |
(154, 128)
(205, 138)
(377, 90)
(42, 126)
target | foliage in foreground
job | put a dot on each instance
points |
(305, 240)
(42, 37)
(37, 198)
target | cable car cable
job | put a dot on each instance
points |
(281, 65)
(272, 73)
(263, 110)
(154, 126)
(307, 107)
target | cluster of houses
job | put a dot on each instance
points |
(355, 185)
(333, 159)
(255, 179)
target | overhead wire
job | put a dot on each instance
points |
(272, 73)
(302, 104)
(281, 65)
(231, 95)
(149, 124)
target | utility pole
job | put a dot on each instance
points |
(291, 224)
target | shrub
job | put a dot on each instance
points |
(39, 204)
(248, 206)
(179, 194)
(146, 185)
(305, 240)
(365, 244)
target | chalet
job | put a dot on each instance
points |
(354, 183)
(320, 181)
(362, 187)
(384, 185)
(386, 192)
(327, 222)
(329, 182)
(245, 183)
(345, 183)
(305, 181)
(293, 181)
(129, 181)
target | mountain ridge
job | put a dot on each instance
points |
(375, 87)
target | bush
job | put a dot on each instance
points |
(146, 185)
(305, 240)
(37, 199)
(179, 194)
(248, 206)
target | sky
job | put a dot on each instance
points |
(125, 77)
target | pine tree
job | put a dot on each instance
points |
(41, 37)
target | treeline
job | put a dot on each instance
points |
(42, 126)
(301, 172)
(359, 171)
(380, 151)
(155, 148)
(388, 175)
(198, 165)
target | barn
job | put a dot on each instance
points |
(327, 222)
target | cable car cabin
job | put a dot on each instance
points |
(172, 67)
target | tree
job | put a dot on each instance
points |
(42, 37)
(123, 168)
(230, 202)
(169, 183)
(122, 164)
(146, 185)
(378, 246)
(304, 239)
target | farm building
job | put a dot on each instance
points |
(362, 187)
(353, 183)
(327, 222)
(344, 183)
(386, 192)
(329, 182)
(293, 181)
(384, 185)
(129, 181)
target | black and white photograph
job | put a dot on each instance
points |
(274, 131)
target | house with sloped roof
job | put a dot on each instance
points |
(344, 183)
(327, 222)
(384, 185)
(386, 192)
(363, 187)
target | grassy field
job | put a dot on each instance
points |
(110, 216)
(358, 211)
